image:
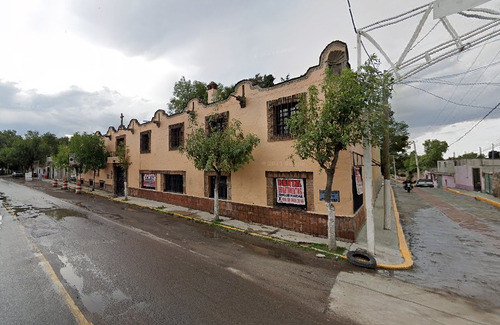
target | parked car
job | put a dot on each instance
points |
(424, 182)
(17, 174)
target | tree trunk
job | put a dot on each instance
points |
(93, 182)
(216, 196)
(125, 192)
(332, 238)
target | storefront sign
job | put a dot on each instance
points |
(149, 180)
(290, 191)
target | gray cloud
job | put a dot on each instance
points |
(72, 110)
(223, 40)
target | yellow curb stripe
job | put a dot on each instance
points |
(175, 214)
(79, 317)
(246, 231)
(403, 247)
(477, 197)
(495, 203)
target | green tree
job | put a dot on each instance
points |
(399, 136)
(223, 92)
(324, 127)
(8, 158)
(34, 148)
(471, 155)
(264, 81)
(434, 150)
(184, 91)
(51, 142)
(61, 159)
(90, 152)
(122, 152)
(220, 149)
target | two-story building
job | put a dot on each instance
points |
(160, 172)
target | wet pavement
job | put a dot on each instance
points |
(455, 243)
(126, 264)
(435, 222)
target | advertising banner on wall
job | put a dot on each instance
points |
(359, 181)
(149, 180)
(290, 191)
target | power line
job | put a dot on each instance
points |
(461, 73)
(444, 99)
(461, 80)
(356, 32)
(472, 128)
(352, 17)
(449, 83)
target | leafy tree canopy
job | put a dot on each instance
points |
(89, 150)
(223, 92)
(399, 136)
(264, 81)
(61, 159)
(471, 155)
(352, 109)
(434, 150)
(186, 90)
(8, 156)
(222, 151)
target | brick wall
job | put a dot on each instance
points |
(347, 227)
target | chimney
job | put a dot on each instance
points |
(211, 90)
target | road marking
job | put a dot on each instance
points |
(241, 274)
(79, 317)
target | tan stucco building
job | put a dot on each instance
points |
(160, 172)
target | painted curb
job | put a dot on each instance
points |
(477, 197)
(220, 225)
(403, 247)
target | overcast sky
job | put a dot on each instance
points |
(75, 66)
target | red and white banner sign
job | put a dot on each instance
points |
(290, 191)
(149, 180)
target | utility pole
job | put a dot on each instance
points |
(394, 166)
(368, 182)
(386, 167)
(407, 65)
(416, 159)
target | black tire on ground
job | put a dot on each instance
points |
(362, 258)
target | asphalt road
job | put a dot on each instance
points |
(455, 243)
(120, 264)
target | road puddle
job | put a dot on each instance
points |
(95, 302)
(60, 214)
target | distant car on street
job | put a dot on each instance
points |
(17, 174)
(424, 182)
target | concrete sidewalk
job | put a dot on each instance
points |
(387, 242)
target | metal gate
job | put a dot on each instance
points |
(487, 183)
